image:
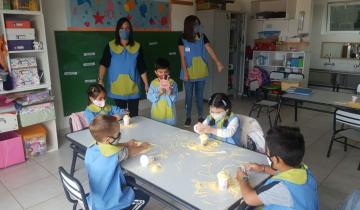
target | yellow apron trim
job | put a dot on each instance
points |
(198, 68)
(124, 86)
(108, 149)
(94, 108)
(119, 49)
(295, 176)
(162, 111)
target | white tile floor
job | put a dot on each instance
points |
(35, 185)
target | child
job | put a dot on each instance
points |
(221, 124)
(292, 185)
(108, 187)
(97, 104)
(162, 94)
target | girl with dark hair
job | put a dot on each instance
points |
(97, 104)
(123, 64)
(193, 48)
(221, 124)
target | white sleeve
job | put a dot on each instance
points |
(230, 130)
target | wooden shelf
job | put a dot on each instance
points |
(27, 88)
(26, 51)
(20, 12)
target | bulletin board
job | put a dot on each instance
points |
(98, 15)
(79, 54)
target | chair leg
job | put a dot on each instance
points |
(252, 109)
(345, 145)
(258, 114)
(269, 116)
(359, 167)
(73, 163)
(330, 146)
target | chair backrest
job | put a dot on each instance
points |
(73, 189)
(348, 117)
(277, 75)
(251, 129)
(358, 89)
(296, 76)
(77, 121)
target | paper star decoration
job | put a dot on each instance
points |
(99, 19)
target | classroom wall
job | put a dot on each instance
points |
(55, 20)
(320, 35)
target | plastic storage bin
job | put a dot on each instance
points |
(35, 114)
(11, 149)
(34, 138)
(17, 45)
(17, 24)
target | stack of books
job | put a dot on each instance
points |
(300, 91)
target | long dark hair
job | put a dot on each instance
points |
(94, 91)
(220, 100)
(119, 23)
(189, 23)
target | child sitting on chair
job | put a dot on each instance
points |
(221, 124)
(292, 185)
(108, 187)
(97, 104)
(162, 94)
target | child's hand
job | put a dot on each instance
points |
(199, 127)
(186, 75)
(220, 66)
(255, 167)
(161, 91)
(137, 147)
(209, 130)
(240, 174)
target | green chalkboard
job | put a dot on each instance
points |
(79, 54)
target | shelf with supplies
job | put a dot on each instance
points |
(25, 84)
(286, 61)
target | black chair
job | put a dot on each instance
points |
(73, 190)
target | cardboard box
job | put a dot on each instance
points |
(20, 34)
(17, 24)
(18, 45)
(11, 149)
(17, 63)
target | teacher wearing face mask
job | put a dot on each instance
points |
(123, 65)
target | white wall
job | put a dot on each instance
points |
(320, 35)
(55, 20)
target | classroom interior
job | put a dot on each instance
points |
(317, 39)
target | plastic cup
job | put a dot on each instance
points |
(126, 120)
(223, 180)
(146, 160)
(354, 98)
(204, 139)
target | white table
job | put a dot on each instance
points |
(321, 97)
(180, 166)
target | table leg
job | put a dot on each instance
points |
(278, 112)
(73, 162)
(296, 110)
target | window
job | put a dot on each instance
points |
(343, 17)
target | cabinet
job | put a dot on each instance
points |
(273, 9)
(36, 20)
(216, 25)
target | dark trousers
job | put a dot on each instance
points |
(131, 104)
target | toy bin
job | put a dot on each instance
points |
(34, 138)
(11, 149)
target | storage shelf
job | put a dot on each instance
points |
(27, 88)
(26, 51)
(20, 12)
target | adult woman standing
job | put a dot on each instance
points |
(193, 48)
(123, 64)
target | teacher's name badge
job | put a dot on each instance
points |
(187, 49)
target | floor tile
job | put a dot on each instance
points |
(56, 203)
(19, 175)
(37, 192)
(8, 202)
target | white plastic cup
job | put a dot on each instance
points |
(126, 120)
(146, 160)
(354, 98)
(203, 139)
(223, 180)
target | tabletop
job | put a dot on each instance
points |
(182, 167)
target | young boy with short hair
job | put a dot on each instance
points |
(292, 185)
(108, 187)
(162, 94)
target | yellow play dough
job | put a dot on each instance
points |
(156, 167)
(209, 147)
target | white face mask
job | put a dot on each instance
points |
(99, 103)
(218, 116)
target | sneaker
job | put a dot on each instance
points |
(187, 122)
(201, 119)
